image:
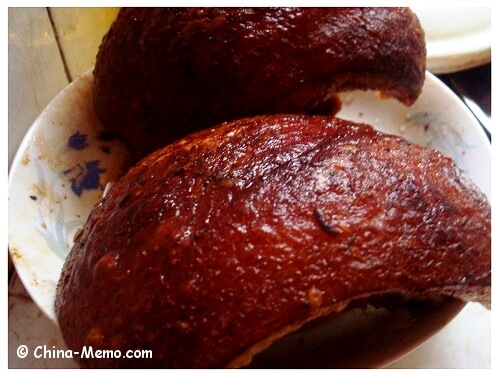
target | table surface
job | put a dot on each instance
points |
(49, 48)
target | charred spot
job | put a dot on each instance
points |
(350, 243)
(323, 222)
(124, 199)
(229, 329)
(179, 171)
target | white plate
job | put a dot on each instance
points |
(58, 173)
(64, 163)
(456, 38)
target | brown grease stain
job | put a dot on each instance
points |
(16, 254)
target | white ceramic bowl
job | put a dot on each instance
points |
(457, 38)
(66, 160)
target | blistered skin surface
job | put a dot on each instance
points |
(216, 242)
(161, 74)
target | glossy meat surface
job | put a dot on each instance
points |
(214, 244)
(161, 74)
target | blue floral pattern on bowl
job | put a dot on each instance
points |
(84, 175)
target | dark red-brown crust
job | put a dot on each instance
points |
(225, 238)
(161, 74)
